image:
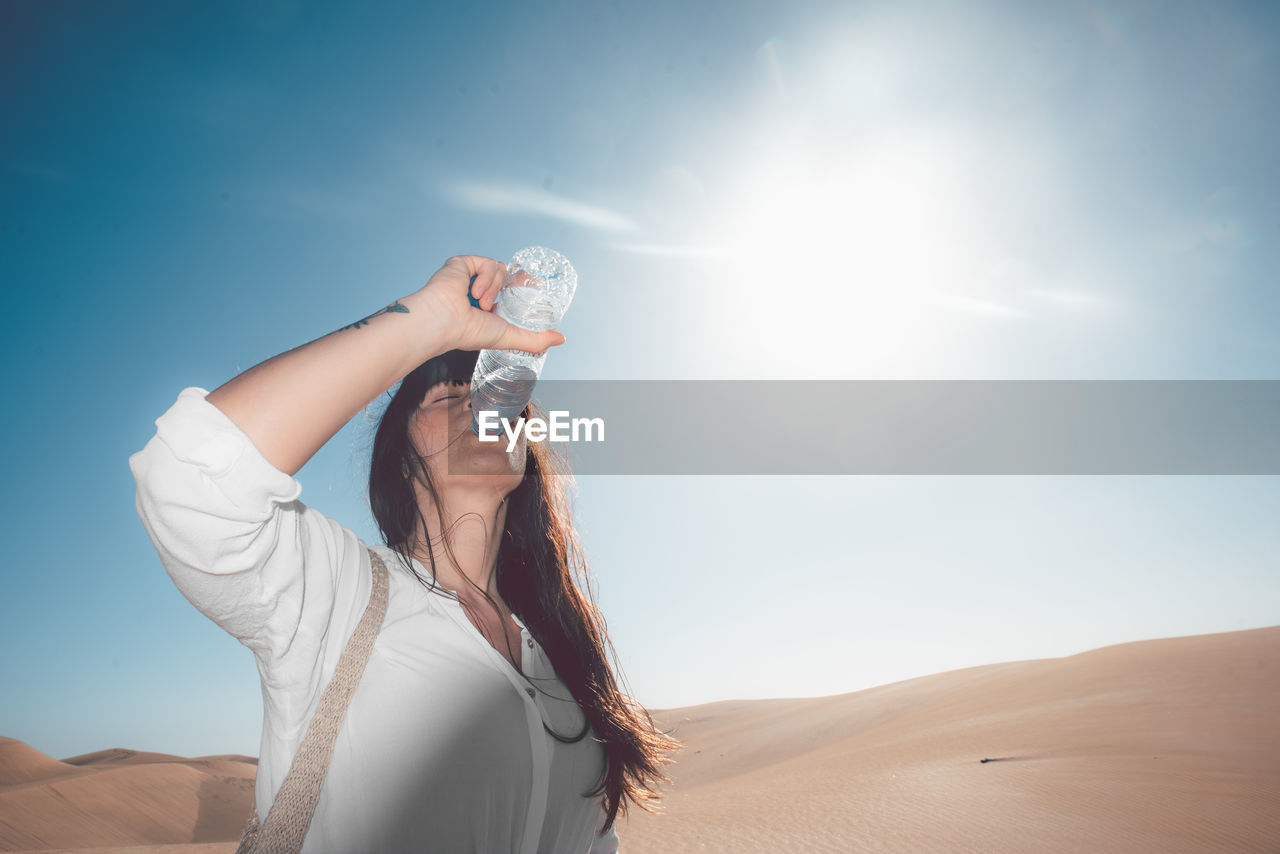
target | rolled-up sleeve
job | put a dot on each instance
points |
(231, 533)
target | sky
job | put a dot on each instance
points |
(801, 190)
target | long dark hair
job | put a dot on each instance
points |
(538, 559)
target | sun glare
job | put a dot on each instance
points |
(873, 233)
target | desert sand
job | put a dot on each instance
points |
(1169, 745)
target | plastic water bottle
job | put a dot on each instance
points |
(536, 293)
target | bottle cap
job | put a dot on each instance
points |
(474, 301)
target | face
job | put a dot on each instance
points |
(456, 458)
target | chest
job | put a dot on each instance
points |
(441, 723)
(504, 636)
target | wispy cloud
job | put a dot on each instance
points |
(511, 198)
(676, 250)
(1077, 300)
(979, 307)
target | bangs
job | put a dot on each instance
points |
(454, 367)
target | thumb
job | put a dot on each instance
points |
(532, 342)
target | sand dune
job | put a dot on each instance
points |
(1168, 745)
(20, 763)
(1158, 746)
(120, 798)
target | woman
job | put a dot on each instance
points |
(487, 718)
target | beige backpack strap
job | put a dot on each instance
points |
(290, 815)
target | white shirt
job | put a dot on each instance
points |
(442, 748)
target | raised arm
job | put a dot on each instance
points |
(293, 403)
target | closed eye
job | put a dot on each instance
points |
(446, 389)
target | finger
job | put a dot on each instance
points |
(478, 271)
(469, 263)
(495, 285)
(473, 264)
(532, 342)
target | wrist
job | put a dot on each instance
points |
(434, 326)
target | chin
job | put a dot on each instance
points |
(489, 465)
(488, 474)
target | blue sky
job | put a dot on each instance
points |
(907, 190)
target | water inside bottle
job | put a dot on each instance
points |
(536, 293)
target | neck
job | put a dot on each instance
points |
(474, 521)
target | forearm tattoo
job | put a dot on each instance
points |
(395, 307)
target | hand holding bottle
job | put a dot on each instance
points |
(479, 328)
(536, 293)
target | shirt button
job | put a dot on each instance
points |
(530, 643)
(531, 692)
